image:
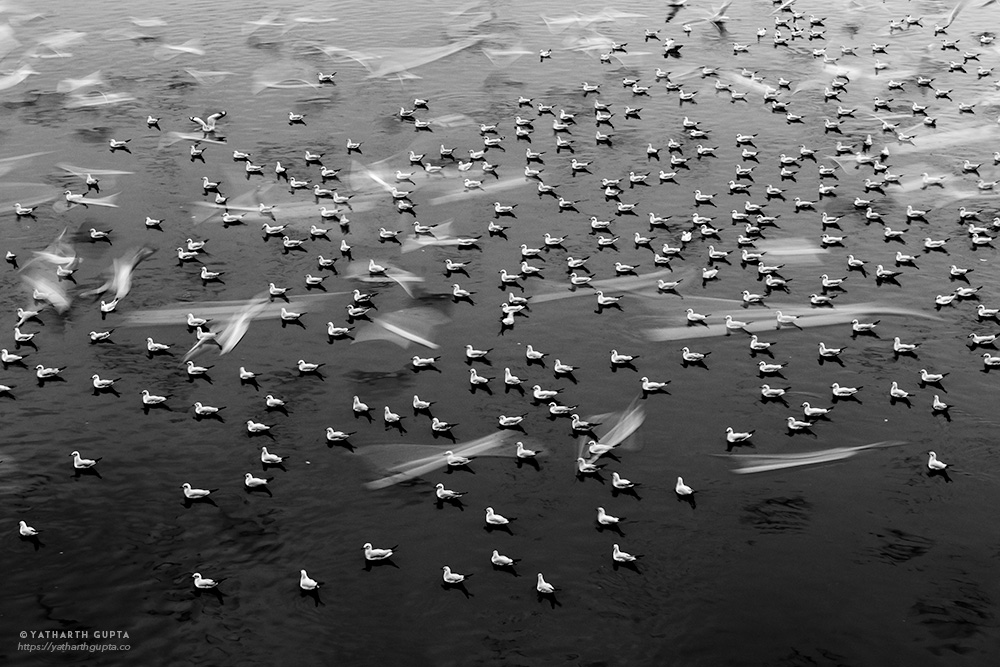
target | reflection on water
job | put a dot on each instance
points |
(118, 550)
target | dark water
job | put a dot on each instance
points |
(867, 561)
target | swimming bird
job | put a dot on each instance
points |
(47, 373)
(769, 392)
(375, 554)
(605, 519)
(306, 582)
(843, 392)
(452, 578)
(81, 463)
(734, 437)
(584, 467)
(812, 412)
(543, 587)
(251, 482)
(757, 345)
(204, 582)
(194, 494)
(693, 357)
(618, 359)
(933, 463)
(494, 519)
(391, 418)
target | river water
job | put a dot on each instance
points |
(869, 560)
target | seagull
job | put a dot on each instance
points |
(933, 463)
(843, 392)
(810, 412)
(374, 554)
(252, 482)
(494, 519)
(584, 467)
(390, 417)
(269, 458)
(930, 378)
(734, 437)
(25, 530)
(306, 582)
(437, 426)
(46, 373)
(606, 519)
(446, 494)
(622, 359)
(204, 582)
(765, 368)
(768, 391)
(81, 463)
(194, 494)
(681, 489)
(452, 578)
(693, 357)
(543, 587)
(797, 424)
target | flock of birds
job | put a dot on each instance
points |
(558, 149)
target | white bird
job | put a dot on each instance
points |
(620, 482)
(810, 411)
(620, 556)
(843, 392)
(257, 427)
(500, 560)
(652, 386)
(682, 489)
(152, 399)
(451, 578)
(390, 417)
(269, 458)
(606, 519)
(544, 394)
(523, 452)
(505, 421)
(193, 369)
(693, 357)
(622, 359)
(307, 367)
(543, 587)
(193, 494)
(477, 379)
(446, 494)
(47, 372)
(252, 482)
(494, 519)
(734, 437)
(375, 554)
(766, 369)
(456, 460)
(307, 583)
(203, 582)
(933, 463)
(797, 424)
(81, 463)
(25, 530)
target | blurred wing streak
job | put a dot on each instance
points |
(418, 467)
